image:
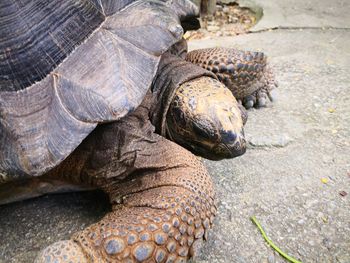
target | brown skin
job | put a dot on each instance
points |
(204, 117)
(247, 74)
(162, 196)
(201, 113)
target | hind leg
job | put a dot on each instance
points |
(162, 209)
(247, 74)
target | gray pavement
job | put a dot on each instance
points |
(301, 13)
(294, 143)
(297, 163)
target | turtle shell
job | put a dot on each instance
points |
(68, 65)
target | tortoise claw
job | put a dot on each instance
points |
(272, 95)
(261, 102)
(261, 98)
(249, 102)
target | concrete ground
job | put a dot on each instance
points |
(296, 166)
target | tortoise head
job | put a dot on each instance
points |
(205, 118)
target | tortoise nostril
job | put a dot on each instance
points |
(228, 136)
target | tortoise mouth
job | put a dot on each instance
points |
(228, 150)
(218, 151)
(233, 150)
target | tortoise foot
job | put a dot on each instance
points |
(259, 98)
(247, 74)
(140, 234)
(143, 234)
(164, 218)
(264, 93)
(160, 214)
(65, 251)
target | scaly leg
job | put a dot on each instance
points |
(162, 198)
(247, 74)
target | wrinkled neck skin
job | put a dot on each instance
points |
(180, 49)
(172, 72)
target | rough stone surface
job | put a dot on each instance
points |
(300, 13)
(295, 144)
(29, 226)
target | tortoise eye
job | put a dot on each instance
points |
(204, 129)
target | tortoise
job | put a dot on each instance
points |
(102, 94)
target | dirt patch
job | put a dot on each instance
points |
(228, 20)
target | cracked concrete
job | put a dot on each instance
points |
(290, 178)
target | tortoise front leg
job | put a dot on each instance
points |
(247, 74)
(161, 211)
(159, 214)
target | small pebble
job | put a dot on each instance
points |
(226, 10)
(302, 252)
(327, 243)
(343, 193)
(311, 243)
(218, 8)
(232, 19)
(343, 258)
(213, 28)
(271, 259)
(324, 180)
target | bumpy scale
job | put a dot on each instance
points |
(163, 203)
(247, 74)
